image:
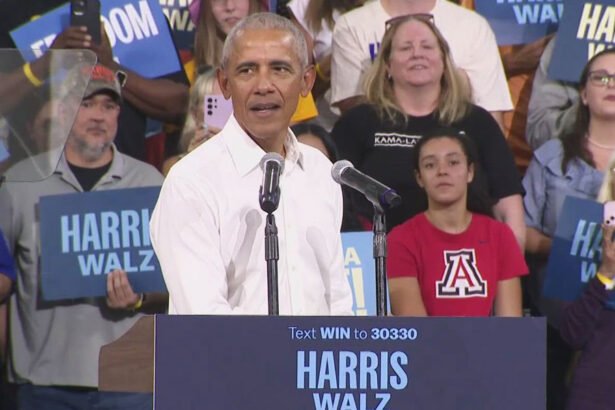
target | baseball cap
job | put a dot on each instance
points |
(101, 79)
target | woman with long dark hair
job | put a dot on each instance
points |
(453, 259)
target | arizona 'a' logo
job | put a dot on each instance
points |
(461, 276)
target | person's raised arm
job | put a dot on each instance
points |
(159, 98)
(552, 105)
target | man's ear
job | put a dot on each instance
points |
(223, 82)
(307, 82)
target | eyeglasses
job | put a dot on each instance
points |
(601, 78)
(426, 17)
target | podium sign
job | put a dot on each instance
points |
(343, 363)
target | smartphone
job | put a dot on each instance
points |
(86, 13)
(217, 110)
(609, 213)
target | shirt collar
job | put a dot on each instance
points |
(116, 171)
(246, 154)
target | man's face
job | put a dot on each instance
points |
(264, 78)
(95, 126)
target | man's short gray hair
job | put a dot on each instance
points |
(266, 21)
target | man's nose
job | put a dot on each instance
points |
(264, 85)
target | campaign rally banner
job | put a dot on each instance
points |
(349, 363)
(178, 14)
(86, 235)
(576, 249)
(521, 21)
(361, 271)
(587, 28)
(137, 31)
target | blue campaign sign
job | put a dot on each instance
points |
(137, 29)
(178, 14)
(361, 272)
(576, 249)
(586, 29)
(352, 363)
(86, 235)
(521, 21)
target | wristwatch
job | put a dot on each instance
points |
(121, 77)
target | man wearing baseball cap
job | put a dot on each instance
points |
(55, 346)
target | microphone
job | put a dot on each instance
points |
(272, 165)
(380, 195)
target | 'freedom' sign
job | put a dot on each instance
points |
(587, 28)
(521, 21)
(137, 29)
(86, 235)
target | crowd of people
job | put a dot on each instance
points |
(480, 143)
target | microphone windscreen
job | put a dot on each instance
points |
(274, 157)
(338, 168)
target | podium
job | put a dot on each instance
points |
(359, 363)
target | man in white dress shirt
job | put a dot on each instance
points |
(208, 228)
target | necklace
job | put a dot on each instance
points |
(609, 147)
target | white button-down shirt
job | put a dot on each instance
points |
(208, 231)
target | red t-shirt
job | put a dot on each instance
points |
(458, 273)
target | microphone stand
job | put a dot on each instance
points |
(380, 252)
(272, 255)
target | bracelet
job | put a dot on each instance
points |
(27, 70)
(320, 74)
(608, 283)
(139, 303)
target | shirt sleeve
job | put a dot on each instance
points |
(534, 183)
(349, 135)
(511, 261)
(552, 107)
(401, 257)
(186, 239)
(346, 63)
(486, 72)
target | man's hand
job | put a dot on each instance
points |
(119, 292)
(103, 50)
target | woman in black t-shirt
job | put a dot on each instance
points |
(412, 87)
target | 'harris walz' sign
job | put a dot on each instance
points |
(521, 21)
(84, 236)
(137, 30)
(349, 363)
(587, 28)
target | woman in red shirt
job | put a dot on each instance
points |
(453, 259)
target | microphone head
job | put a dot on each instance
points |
(338, 168)
(272, 157)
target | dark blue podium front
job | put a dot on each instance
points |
(348, 363)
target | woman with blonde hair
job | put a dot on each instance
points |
(412, 88)
(195, 130)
